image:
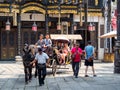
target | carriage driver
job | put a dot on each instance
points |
(43, 61)
(40, 42)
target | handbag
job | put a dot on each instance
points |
(90, 58)
(73, 56)
(41, 66)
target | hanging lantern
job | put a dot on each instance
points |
(58, 26)
(49, 24)
(7, 27)
(74, 26)
(34, 27)
(59, 16)
(114, 23)
(90, 27)
(93, 27)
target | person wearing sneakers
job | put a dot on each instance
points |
(43, 61)
(76, 58)
(89, 52)
(39, 44)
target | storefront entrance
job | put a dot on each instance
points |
(8, 44)
(30, 37)
(9, 40)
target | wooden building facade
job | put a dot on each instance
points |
(23, 13)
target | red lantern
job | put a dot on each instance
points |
(7, 27)
(114, 23)
(90, 27)
(58, 26)
(34, 27)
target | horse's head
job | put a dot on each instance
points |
(32, 47)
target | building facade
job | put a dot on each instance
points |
(47, 14)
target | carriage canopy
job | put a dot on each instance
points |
(69, 36)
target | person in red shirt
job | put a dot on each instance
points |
(76, 59)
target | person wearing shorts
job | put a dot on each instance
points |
(89, 52)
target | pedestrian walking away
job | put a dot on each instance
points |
(89, 56)
(43, 61)
(76, 59)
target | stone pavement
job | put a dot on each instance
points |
(12, 78)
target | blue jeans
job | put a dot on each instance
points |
(75, 67)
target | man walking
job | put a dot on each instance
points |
(89, 52)
(76, 58)
(40, 43)
(43, 60)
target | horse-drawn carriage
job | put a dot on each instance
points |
(55, 60)
(55, 54)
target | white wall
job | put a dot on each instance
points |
(35, 17)
(100, 50)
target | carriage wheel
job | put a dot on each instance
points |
(54, 67)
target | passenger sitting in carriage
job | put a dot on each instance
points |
(40, 42)
(47, 40)
(47, 48)
(63, 53)
(47, 43)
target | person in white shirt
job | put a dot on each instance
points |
(39, 44)
(43, 61)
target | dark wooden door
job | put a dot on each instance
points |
(29, 37)
(8, 44)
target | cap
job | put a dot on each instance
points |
(26, 44)
(39, 49)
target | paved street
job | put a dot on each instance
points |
(12, 78)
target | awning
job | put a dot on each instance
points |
(109, 35)
(69, 36)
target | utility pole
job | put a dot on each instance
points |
(86, 12)
(19, 28)
(105, 11)
(117, 44)
(109, 24)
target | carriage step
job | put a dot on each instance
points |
(62, 68)
(59, 67)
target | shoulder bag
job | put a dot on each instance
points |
(90, 58)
